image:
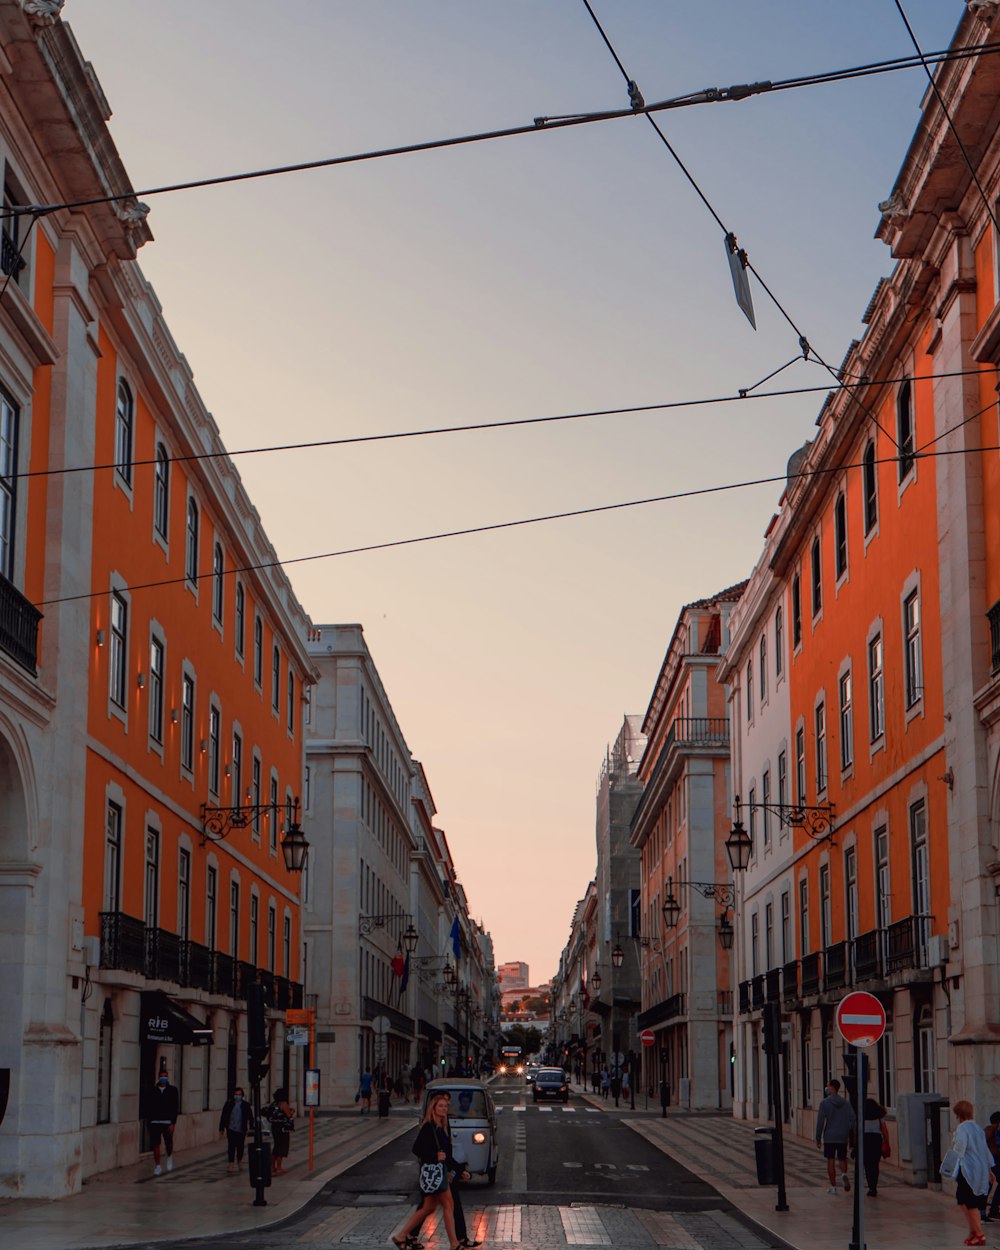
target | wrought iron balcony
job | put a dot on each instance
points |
(123, 942)
(906, 944)
(744, 997)
(809, 965)
(790, 981)
(224, 975)
(18, 626)
(163, 956)
(993, 616)
(772, 985)
(10, 263)
(835, 965)
(196, 966)
(868, 955)
(757, 993)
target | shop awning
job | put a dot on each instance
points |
(163, 1020)
(428, 1030)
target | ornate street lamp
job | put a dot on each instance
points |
(671, 908)
(410, 939)
(617, 954)
(739, 848)
(294, 846)
(726, 932)
(595, 980)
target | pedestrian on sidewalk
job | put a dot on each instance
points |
(993, 1143)
(626, 1083)
(161, 1118)
(605, 1083)
(876, 1137)
(282, 1119)
(234, 1123)
(975, 1170)
(365, 1092)
(834, 1128)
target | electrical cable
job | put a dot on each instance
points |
(710, 95)
(353, 439)
(694, 492)
(944, 108)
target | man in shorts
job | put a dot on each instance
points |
(834, 1126)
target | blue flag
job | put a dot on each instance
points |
(405, 979)
(456, 939)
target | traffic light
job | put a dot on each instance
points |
(257, 1048)
(772, 1028)
(444, 1062)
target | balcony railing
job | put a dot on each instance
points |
(868, 955)
(993, 616)
(906, 943)
(790, 981)
(757, 993)
(725, 1002)
(687, 732)
(123, 942)
(11, 263)
(809, 965)
(835, 961)
(772, 985)
(224, 975)
(744, 997)
(196, 966)
(18, 626)
(163, 956)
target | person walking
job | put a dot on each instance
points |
(993, 1143)
(876, 1143)
(834, 1126)
(605, 1083)
(433, 1147)
(161, 1119)
(365, 1092)
(282, 1119)
(235, 1122)
(975, 1170)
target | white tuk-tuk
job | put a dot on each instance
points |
(472, 1116)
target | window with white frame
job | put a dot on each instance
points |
(255, 793)
(816, 568)
(912, 657)
(272, 937)
(779, 639)
(254, 922)
(291, 699)
(804, 946)
(754, 944)
(786, 927)
(796, 612)
(876, 688)
(124, 430)
(851, 893)
(272, 830)
(161, 491)
(258, 651)
(183, 893)
(753, 819)
(8, 484)
(275, 678)
(151, 890)
(905, 429)
(825, 918)
(845, 696)
(240, 618)
(870, 480)
(234, 918)
(211, 906)
(156, 675)
(113, 857)
(187, 722)
(218, 583)
(191, 541)
(886, 1064)
(286, 948)
(925, 1076)
(820, 715)
(118, 658)
(765, 799)
(762, 668)
(236, 769)
(769, 936)
(840, 535)
(800, 766)
(214, 747)
(782, 787)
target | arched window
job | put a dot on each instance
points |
(161, 491)
(870, 489)
(904, 428)
(191, 546)
(218, 585)
(124, 412)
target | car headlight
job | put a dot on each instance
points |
(519, 1071)
(503, 1069)
(479, 1138)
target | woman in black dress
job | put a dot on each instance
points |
(433, 1145)
(282, 1123)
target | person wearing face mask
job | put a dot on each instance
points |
(164, 1106)
(235, 1122)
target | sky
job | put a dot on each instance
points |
(552, 273)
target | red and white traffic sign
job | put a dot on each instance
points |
(647, 1037)
(860, 1019)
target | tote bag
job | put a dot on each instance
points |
(950, 1164)
(431, 1178)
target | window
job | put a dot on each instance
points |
(211, 906)
(307, 699)
(273, 822)
(254, 920)
(883, 897)
(286, 951)
(846, 721)
(762, 669)
(782, 787)
(820, 746)
(151, 880)
(218, 583)
(904, 429)
(234, 919)
(156, 690)
(307, 797)
(786, 927)
(749, 692)
(291, 700)
(876, 697)
(779, 640)
(806, 1065)
(214, 747)
(118, 662)
(870, 489)
(275, 678)
(886, 1064)
(851, 893)
(237, 769)
(754, 944)
(816, 567)
(15, 235)
(753, 820)
(113, 858)
(187, 722)
(914, 677)
(765, 799)
(124, 412)
(255, 798)
(825, 919)
(8, 485)
(239, 618)
(800, 766)
(769, 935)
(796, 612)
(272, 936)
(184, 894)
(105, 1039)
(921, 870)
(258, 651)
(804, 916)
(924, 1065)
(161, 491)
(840, 535)
(191, 544)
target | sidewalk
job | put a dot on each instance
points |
(199, 1198)
(719, 1150)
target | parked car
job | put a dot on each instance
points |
(472, 1116)
(550, 1083)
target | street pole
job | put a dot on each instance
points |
(858, 1232)
(631, 1077)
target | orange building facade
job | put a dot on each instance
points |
(144, 680)
(863, 684)
(679, 827)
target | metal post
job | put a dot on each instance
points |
(858, 1232)
(631, 1077)
(779, 1139)
(312, 1064)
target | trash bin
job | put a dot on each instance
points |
(383, 1103)
(763, 1146)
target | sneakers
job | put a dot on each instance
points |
(170, 1164)
(833, 1190)
(844, 1179)
(157, 1171)
(231, 1167)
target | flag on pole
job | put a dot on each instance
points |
(405, 979)
(585, 995)
(398, 962)
(456, 939)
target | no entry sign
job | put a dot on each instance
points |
(860, 1019)
(647, 1037)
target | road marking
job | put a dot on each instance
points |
(545, 1109)
(663, 1227)
(637, 1167)
(519, 1108)
(611, 1167)
(582, 1226)
(502, 1224)
(571, 1110)
(592, 1110)
(572, 1165)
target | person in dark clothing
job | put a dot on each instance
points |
(161, 1118)
(235, 1122)
(834, 1127)
(875, 1135)
(457, 1171)
(993, 1142)
(282, 1122)
(433, 1145)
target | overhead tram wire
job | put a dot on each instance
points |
(924, 61)
(635, 96)
(693, 493)
(513, 422)
(710, 95)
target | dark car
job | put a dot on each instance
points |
(551, 1083)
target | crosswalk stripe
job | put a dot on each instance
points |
(663, 1227)
(592, 1110)
(545, 1109)
(571, 1110)
(582, 1226)
(519, 1108)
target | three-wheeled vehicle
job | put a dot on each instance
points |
(472, 1116)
